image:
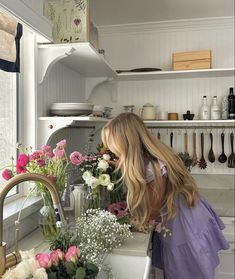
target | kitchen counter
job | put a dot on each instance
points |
(219, 191)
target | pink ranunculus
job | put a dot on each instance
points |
(36, 155)
(23, 160)
(49, 154)
(72, 254)
(46, 148)
(20, 169)
(118, 209)
(61, 144)
(44, 260)
(59, 153)
(76, 158)
(7, 174)
(41, 162)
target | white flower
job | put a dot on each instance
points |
(104, 179)
(10, 274)
(93, 182)
(103, 165)
(110, 186)
(40, 273)
(87, 175)
(99, 233)
(22, 270)
(27, 254)
(106, 157)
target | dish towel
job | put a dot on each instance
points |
(10, 33)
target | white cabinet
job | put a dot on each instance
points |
(226, 268)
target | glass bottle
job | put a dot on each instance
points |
(204, 110)
(231, 104)
(80, 194)
(215, 109)
(224, 107)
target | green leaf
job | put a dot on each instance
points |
(70, 267)
(52, 275)
(80, 273)
(92, 267)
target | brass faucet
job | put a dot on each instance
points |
(12, 259)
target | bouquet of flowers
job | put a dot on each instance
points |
(120, 210)
(101, 177)
(52, 163)
(45, 161)
(53, 265)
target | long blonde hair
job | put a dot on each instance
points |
(127, 136)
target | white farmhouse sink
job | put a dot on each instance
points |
(131, 260)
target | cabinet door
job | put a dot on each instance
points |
(226, 268)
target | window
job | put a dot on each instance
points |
(8, 120)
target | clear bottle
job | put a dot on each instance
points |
(231, 104)
(215, 109)
(204, 110)
(224, 107)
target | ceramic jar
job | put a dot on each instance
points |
(148, 112)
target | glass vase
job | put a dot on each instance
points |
(68, 205)
(47, 221)
(98, 197)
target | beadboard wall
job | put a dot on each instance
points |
(152, 45)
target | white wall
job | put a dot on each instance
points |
(152, 45)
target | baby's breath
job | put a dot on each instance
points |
(99, 233)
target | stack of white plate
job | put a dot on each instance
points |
(66, 109)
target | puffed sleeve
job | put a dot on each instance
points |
(150, 172)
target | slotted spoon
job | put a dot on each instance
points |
(222, 158)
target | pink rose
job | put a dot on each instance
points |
(76, 158)
(23, 160)
(72, 254)
(56, 256)
(20, 169)
(7, 174)
(61, 144)
(44, 260)
(60, 254)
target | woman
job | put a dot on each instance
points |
(187, 235)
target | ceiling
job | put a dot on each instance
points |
(115, 12)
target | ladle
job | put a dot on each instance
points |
(222, 158)
(211, 155)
